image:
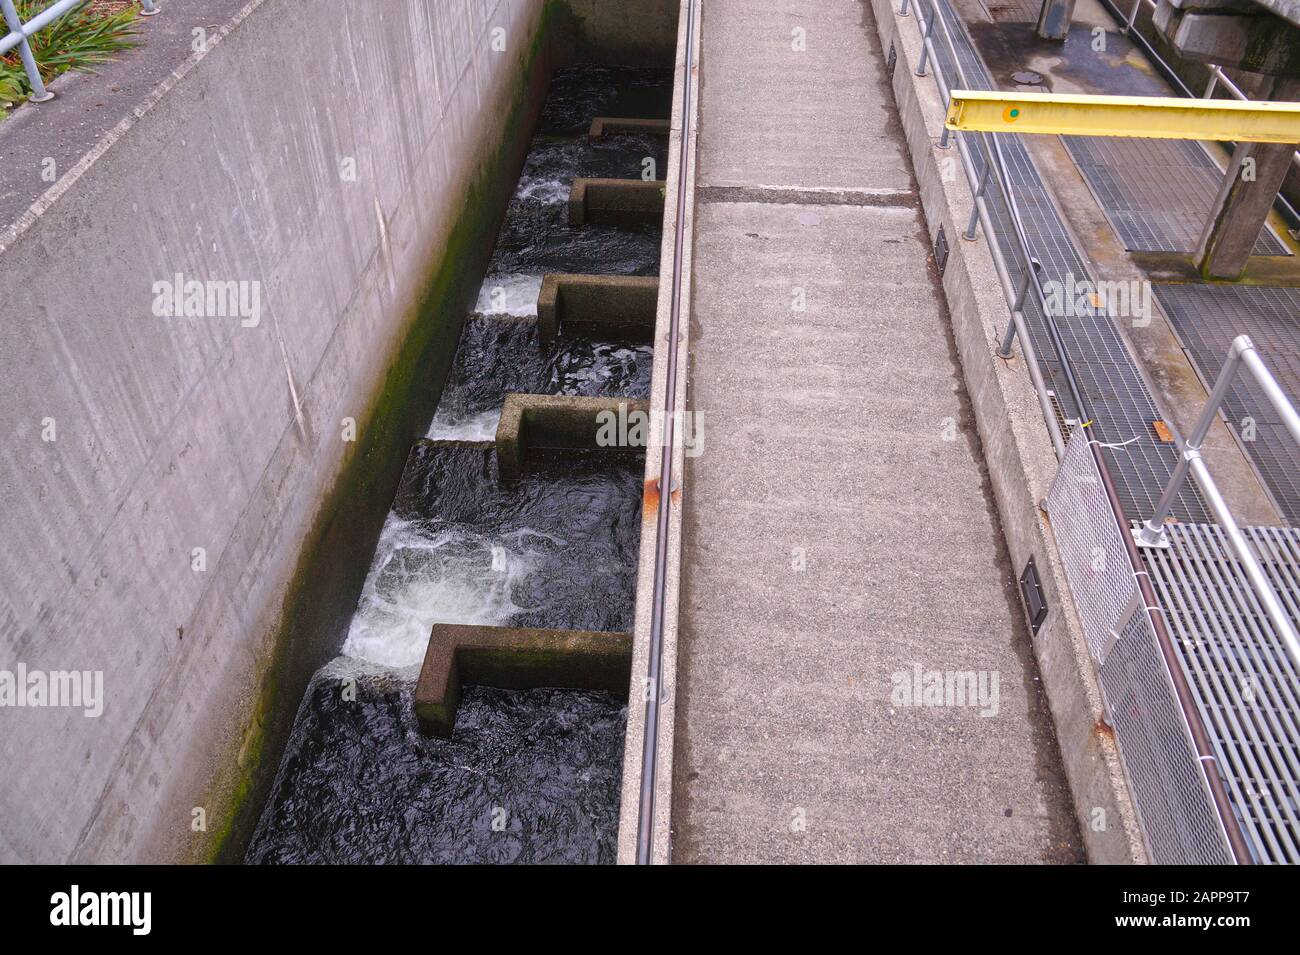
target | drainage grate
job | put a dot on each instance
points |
(1157, 193)
(1117, 397)
(1244, 681)
(1206, 319)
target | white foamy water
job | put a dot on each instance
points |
(419, 578)
(479, 427)
(548, 191)
(514, 295)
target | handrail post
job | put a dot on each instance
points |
(902, 8)
(925, 40)
(148, 8)
(1004, 350)
(975, 207)
(39, 93)
(1152, 533)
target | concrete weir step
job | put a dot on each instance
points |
(541, 424)
(514, 658)
(603, 126)
(611, 307)
(616, 202)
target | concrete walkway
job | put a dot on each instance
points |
(838, 532)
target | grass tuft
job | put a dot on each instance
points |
(82, 38)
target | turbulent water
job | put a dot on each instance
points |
(529, 776)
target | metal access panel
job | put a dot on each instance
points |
(1206, 318)
(1157, 193)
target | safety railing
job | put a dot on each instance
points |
(20, 34)
(1242, 355)
(994, 171)
(1146, 618)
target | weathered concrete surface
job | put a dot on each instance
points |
(163, 477)
(616, 202)
(1018, 456)
(532, 424)
(514, 658)
(603, 126)
(839, 529)
(614, 307)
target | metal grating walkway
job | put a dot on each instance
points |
(1247, 685)
(1157, 193)
(1118, 399)
(1206, 318)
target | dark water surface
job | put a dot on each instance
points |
(530, 776)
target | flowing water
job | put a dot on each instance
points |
(529, 776)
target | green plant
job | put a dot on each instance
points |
(80, 39)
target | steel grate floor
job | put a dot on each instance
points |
(1206, 318)
(1247, 686)
(1157, 193)
(1118, 399)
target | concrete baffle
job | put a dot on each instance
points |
(547, 424)
(616, 202)
(611, 307)
(603, 126)
(514, 658)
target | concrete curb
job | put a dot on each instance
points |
(1018, 453)
(629, 810)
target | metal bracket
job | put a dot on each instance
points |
(941, 250)
(891, 60)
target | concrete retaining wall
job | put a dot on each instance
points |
(1018, 454)
(633, 33)
(186, 496)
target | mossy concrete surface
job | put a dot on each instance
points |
(515, 659)
(532, 424)
(610, 307)
(616, 202)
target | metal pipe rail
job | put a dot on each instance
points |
(1242, 354)
(19, 34)
(658, 606)
(993, 157)
(981, 214)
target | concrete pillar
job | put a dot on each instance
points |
(1054, 19)
(1249, 187)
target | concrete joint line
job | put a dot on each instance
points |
(807, 196)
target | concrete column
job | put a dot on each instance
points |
(1249, 187)
(1054, 19)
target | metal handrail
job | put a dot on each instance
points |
(1194, 724)
(980, 213)
(20, 32)
(1242, 354)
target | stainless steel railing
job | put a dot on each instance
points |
(1242, 355)
(995, 172)
(20, 33)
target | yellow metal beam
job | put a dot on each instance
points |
(1146, 117)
